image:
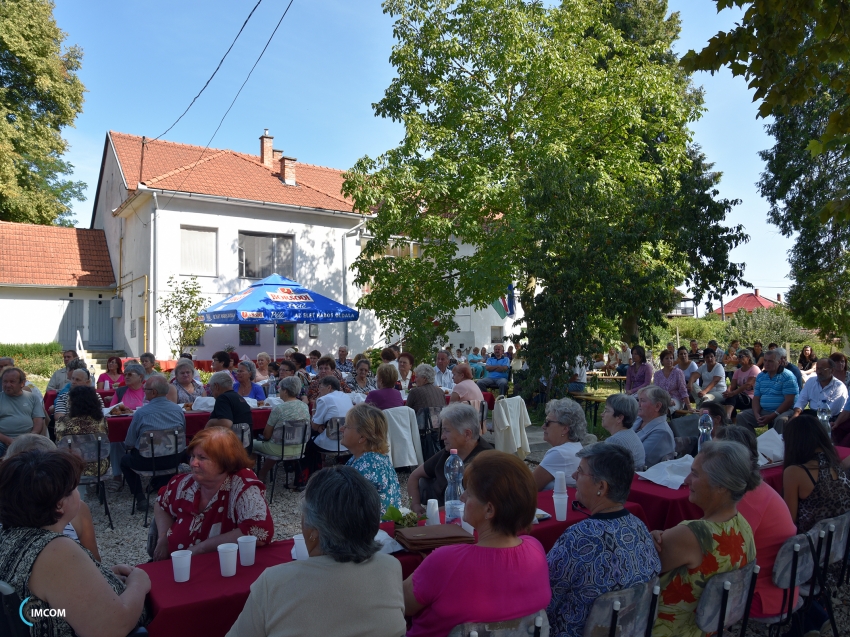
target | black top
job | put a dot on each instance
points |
(231, 406)
(435, 467)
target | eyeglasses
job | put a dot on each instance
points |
(553, 422)
(582, 472)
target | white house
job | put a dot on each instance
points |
(229, 219)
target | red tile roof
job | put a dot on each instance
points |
(54, 256)
(748, 302)
(225, 173)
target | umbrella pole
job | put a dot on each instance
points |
(274, 336)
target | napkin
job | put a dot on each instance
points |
(273, 402)
(388, 545)
(540, 514)
(356, 399)
(771, 446)
(252, 402)
(203, 403)
(671, 473)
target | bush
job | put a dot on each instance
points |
(41, 359)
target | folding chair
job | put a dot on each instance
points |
(831, 548)
(726, 600)
(430, 430)
(333, 434)
(165, 449)
(244, 432)
(793, 566)
(91, 448)
(628, 612)
(522, 627)
(291, 434)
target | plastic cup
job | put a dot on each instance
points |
(560, 482)
(432, 513)
(227, 559)
(182, 563)
(560, 500)
(466, 525)
(247, 549)
(300, 547)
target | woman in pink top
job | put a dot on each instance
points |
(671, 379)
(454, 584)
(132, 395)
(465, 389)
(740, 393)
(768, 516)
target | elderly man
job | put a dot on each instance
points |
(159, 414)
(60, 376)
(695, 353)
(8, 361)
(791, 367)
(822, 389)
(624, 359)
(461, 431)
(442, 373)
(148, 361)
(773, 397)
(20, 411)
(498, 366)
(331, 403)
(651, 425)
(343, 365)
(230, 408)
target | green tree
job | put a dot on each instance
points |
(40, 94)
(178, 314)
(767, 325)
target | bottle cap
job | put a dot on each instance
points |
(454, 452)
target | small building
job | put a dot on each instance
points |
(749, 301)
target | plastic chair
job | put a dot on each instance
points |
(793, 566)
(628, 612)
(832, 538)
(289, 434)
(726, 600)
(244, 432)
(91, 448)
(163, 447)
(522, 627)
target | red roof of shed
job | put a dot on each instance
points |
(748, 302)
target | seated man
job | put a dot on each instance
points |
(331, 403)
(442, 374)
(498, 366)
(148, 362)
(230, 408)
(461, 431)
(823, 389)
(7, 361)
(784, 363)
(651, 425)
(773, 397)
(343, 365)
(20, 411)
(60, 377)
(159, 414)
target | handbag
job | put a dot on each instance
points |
(428, 538)
(429, 439)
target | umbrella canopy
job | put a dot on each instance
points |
(277, 299)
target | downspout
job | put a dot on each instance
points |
(153, 344)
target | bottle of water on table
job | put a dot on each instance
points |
(824, 414)
(454, 478)
(272, 386)
(705, 427)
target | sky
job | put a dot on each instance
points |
(315, 86)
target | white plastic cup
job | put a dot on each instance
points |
(227, 559)
(182, 563)
(560, 482)
(466, 525)
(432, 513)
(300, 547)
(560, 500)
(247, 549)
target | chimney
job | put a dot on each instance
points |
(287, 170)
(779, 298)
(276, 155)
(757, 291)
(266, 148)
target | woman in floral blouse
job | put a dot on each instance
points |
(365, 436)
(218, 502)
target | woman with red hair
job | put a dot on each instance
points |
(219, 501)
(113, 376)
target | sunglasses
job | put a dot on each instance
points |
(579, 507)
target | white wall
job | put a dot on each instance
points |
(33, 314)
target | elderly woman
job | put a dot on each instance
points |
(739, 395)
(618, 418)
(712, 377)
(461, 431)
(79, 378)
(651, 425)
(361, 382)
(475, 362)
(465, 389)
(406, 377)
(219, 501)
(85, 416)
(300, 361)
(52, 571)
(671, 379)
(692, 552)
(365, 436)
(291, 409)
(340, 513)
(426, 393)
(113, 376)
(289, 369)
(386, 396)
(500, 501)
(688, 367)
(768, 516)
(565, 428)
(262, 373)
(326, 366)
(221, 362)
(188, 389)
(639, 374)
(245, 386)
(132, 395)
(610, 550)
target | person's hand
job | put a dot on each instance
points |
(140, 578)
(656, 539)
(122, 571)
(161, 551)
(418, 508)
(727, 393)
(701, 394)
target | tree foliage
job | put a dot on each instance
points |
(178, 314)
(766, 324)
(40, 94)
(816, 34)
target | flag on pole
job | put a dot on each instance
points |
(501, 307)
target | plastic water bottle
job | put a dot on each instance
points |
(705, 427)
(272, 387)
(824, 414)
(454, 478)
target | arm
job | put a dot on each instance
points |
(218, 422)
(791, 479)
(843, 417)
(163, 525)
(411, 606)
(678, 547)
(84, 526)
(37, 425)
(454, 398)
(733, 389)
(785, 406)
(542, 478)
(714, 380)
(252, 621)
(209, 545)
(694, 377)
(413, 489)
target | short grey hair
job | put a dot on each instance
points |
(462, 417)
(134, 368)
(613, 464)
(780, 352)
(148, 356)
(28, 442)
(7, 360)
(657, 395)
(222, 379)
(345, 509)
(184, 363)
(291, 385)
(625, 406)
(332, 382)
(159, 384)
(728, 465)
(425, 372)
(249, 365)
(568, 412)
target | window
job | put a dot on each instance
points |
(286, 334)
(198, 252)
(249, 335)
(496, 334)
(261, 255)
(398, 248)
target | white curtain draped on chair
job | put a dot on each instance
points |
(510, 418)
(403, 437)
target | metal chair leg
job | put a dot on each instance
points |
(102, 486)
(612, 630)
(724, 601)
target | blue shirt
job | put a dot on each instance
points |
(772, 391)
(791, 367)
(160, 414)
(257, 392)
(498, 361)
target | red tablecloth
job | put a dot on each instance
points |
(50, 397)
(195, 422)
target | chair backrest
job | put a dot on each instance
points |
(708, 610)
(89, 447)
(784, 563)
(633, 614)
(522, 627)
(332, 426)
(294, 432)
(9, 608)
(161, 443)
(243, 432)
(429, 418)
(839, 537)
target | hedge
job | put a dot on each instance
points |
(41, 359)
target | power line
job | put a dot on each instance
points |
(213, 74)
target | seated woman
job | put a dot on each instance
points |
(85, 416)
(339, 520)
(651, 425)
(768, 516)
(610, 550)
(361, 382)
(114, 374)
(671, 379)
(465, 390)
(807, 362)
(291, 409)
(326, 366)
(406, 376)
(365, 436)
(475, 362)
(713, 379)
(221, 362)
(188, 389)
(739, 395)
(219, 501)
(565, 428)
(692, 552)
(51, 570)
(454, 584)
(289, 369)
(814, 485)
(639, 374)
(386, 396)
(79, 378)
(426, 393)
(262, 374)
(132, 394)
(618, 417)
(245, 386)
